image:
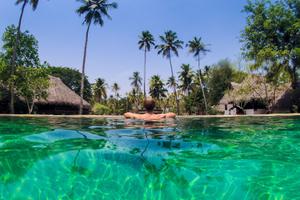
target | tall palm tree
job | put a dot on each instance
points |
(116, 88)
(100, 92)
(136, 81)
(34, 4)
(115, 103)
(146, 42)
(197, 47)
(93, 11)
(171, 83)
(170, 45)
(157, 88)
(186, 78)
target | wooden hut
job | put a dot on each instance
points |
(255, 96)
(60, 100)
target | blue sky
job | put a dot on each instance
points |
(113, 53)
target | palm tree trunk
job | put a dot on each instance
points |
(175, 92)
(145, 61)
(201, 83)
(13, 60)
(83, 69)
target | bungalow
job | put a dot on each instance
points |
(60, 100)
(255, 96)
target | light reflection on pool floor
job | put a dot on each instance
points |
(236, 158)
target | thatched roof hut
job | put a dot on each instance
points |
(60, 94)
(61, 99)
(255, 89)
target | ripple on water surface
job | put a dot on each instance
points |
(236, 158)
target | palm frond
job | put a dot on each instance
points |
(95, 10)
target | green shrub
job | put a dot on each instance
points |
(99, 109)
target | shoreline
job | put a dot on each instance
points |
(121, 116)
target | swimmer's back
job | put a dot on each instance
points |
(149, 116)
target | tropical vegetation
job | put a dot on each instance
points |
(94, 12)
(271, 49)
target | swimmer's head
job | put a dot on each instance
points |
(149, 104)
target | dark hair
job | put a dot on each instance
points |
(149, 105)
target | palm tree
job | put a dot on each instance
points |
(170, 44)
(186, 78)
(34, 4)
(171, 82)
(93, 11)
(157, 88)
(136, 81)
(115, 88)
(100, 90)
(146, 42)
(197, 47)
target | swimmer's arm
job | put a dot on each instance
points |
(170, 115)
(130, 115)
(167, 115)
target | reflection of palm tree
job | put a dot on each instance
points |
(146, 42)
(94, 11)
(148, 142)
(170, 44)
(197, 47)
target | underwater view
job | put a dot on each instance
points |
(211, 158)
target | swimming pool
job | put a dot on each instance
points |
(213, 158)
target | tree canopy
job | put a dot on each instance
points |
(271, 37)
(72, 78)
(32, 84)
(220, 77)
(27, 49)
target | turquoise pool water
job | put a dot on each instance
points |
(221, 158)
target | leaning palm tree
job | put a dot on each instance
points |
(186, 78)
(34, 4)
(170, 44)
(100, 92)
(197, 47)
(93, 11)
(146, 42)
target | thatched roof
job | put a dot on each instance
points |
(60, 94)
(254, 88)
